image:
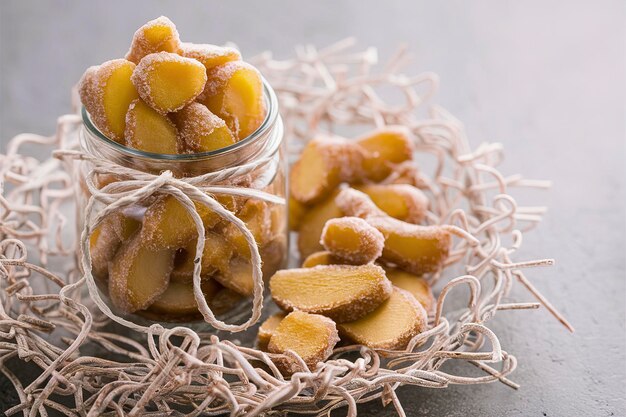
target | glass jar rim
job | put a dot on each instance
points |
(268, 122)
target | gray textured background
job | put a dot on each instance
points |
(546, 78)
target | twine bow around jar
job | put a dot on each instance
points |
(136, 186)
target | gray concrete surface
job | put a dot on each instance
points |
(546, 78)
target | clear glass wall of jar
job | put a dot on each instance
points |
(154, 235)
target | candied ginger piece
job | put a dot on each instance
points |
(224, 300)
(273, 255)
(413, 248)
(168, 224)
(311, 336)
(341, 292)
(353, 239)
(200, 130)
(390, 326)
(138, 275)
(215, 256)
(414, 284)
(158, 35)
(312, 224)
(257, 216)
(385, 147)
(210, 55)
(178, 299)
(107, 238)
(266, 330)
(149, 131)
(106, 92)
(168, 82)
(237, 277)
(401, 201)
(297, 211)
(234, 92)
(322, 258)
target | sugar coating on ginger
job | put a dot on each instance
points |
(167, 82)
(353, 239)
(341, 292)
(158, 35)
(215, 257)
(401, 201)
(200, 130)
(390, 326)
(385, 148)
(149, 131)
(106, 91)
(106, 240)
(267, 328)
(311, 336)
(209, 55)
(415, 284)
(237, 277)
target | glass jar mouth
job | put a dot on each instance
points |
(268, 122)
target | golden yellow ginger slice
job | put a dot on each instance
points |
(353, 239)
(106, 91)
(312, 224)
(341, 292)
(267, 328)
(150, 131)
(209, 55)
(107, 238)
(178, 300)
(297, 211)
(385, 148)
(138, 275)
(168, 224)
(158, 35)
(168, 82)
(311, 336)
(200, 130)
(257, 217)
(234, 92)
(215, 257)
(402, 201)
(322, 258)
(414, 248)
(416, 285)
(390, 326)
(237, 277)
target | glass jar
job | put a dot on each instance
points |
(143, 254)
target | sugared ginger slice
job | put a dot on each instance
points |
(224, 300)
(168, 82)
(215, 256)
(106, 92)
(200, 130)
(234, 92)
(178, 300)
(312, 224)
(414, 284)
(311, 336)
(256, 214)
(296, 212)
(353, 239)
(402, 201)
(390, 326)
(341, 292)
(385, 148)
(237, 277)
(138, 275)
(149, 131)
(266, 330)
(414, 248)
(107, 238)
(322, 258)
(158, 35)
(209, 55)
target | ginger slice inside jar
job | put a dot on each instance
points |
(200, 130)
(215, 257)
(341, 292)
(311, 336)
(138, 275)
(234, 92)
(178, 300)
(267, 328)
(210, 55)
(390, 326)
(150, 131)
(106, 240)
(353, 239)
(158, 35)
(416, 285)
(168, 82)
(385, 148)
(257, 216)
(237, 277)
(107, 91)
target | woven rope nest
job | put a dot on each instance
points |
(87, 366)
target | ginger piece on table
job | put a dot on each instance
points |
(296, 211)
(215, 257)
(257, 217)
(168, 82)
(413, 248)
(311, 336)
(341, 292)
(200, 130)
(178, 300)
(107, 238)
(390, 326)
(385, 148)
(138, 275)
(234, 92)
(313, 222)
(322, 258)
(209, 55)
(353, 239)
(416, 285)
(158, 35)
(168, 224)
(106, 91)
(149, 131)
(401, 201)
(267, 328)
